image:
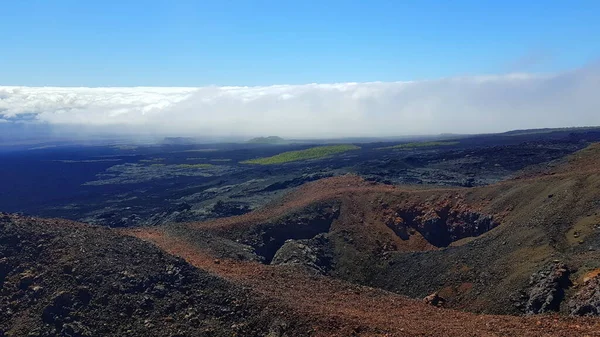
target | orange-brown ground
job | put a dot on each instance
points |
(340, 308)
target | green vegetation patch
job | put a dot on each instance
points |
(312, 153)
(221, 160)
(418, 145)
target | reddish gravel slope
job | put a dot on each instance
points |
(337, 308)
(537, 219)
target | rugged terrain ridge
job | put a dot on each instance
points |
(337, 256)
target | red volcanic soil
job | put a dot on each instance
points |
(533, 218)
(338, 308)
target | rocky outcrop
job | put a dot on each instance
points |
(269, 237)
(434, 299)
(586, 301)
(439, 224)
(224, 209)
(547, 289)
(313, 254)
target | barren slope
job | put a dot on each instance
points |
(527, 245)
(484, 249)
(59, 278)
(338, 308)
(307, 264)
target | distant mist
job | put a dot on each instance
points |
(474, 104)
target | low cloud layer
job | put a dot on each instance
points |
(458, 105)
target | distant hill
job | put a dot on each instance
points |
(310, 153)
(273, 140)
(548, 130)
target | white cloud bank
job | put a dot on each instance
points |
(459, 105)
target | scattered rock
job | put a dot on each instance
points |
(223, 209)
(314, 254)
(26, 279)
(586, 301)
(278, 329)
(75, 329)
(119, 284)
(434, 299)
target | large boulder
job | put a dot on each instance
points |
(434, 299)
(313, 254)
(548, 289)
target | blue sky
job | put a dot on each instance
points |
(256, 68)
(199, 43)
